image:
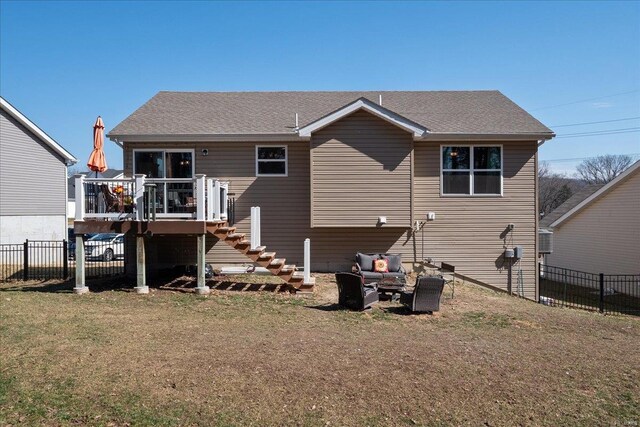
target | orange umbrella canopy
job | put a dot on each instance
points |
(97, 161)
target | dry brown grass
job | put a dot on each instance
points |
(240, 357)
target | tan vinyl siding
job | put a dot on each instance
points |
(467, 230)
(32, 177)
(285, 210)
(361, 171)
(603, 237)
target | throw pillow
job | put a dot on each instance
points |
(381, 266)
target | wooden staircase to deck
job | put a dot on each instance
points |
(277, 266)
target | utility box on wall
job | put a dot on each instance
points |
(518, 252)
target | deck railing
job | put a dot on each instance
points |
(143, 199)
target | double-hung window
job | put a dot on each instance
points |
(472, 170)
(271, 160)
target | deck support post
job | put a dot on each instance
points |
(201, 288)
(81, 287)
(141, 274)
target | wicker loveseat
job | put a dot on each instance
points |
(364, 267)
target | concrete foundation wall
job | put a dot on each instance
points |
(16, 229)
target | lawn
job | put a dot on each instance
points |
(247, 357)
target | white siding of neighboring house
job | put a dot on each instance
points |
(604, 237)
(33, 186)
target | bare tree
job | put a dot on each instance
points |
(72, 170)
(603, 169)
(553, 189)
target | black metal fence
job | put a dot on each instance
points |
(606, 293)
(55, 259)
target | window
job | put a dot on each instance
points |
(176, 165)
(472, 170)
(271, 160)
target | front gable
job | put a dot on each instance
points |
(360, 171)
(364, 104)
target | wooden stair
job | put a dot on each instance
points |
(277, 266)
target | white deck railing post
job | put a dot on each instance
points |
(138, 196)
(224, 200)
(255, 227)
(258, 226)
(216, 200)
(200, 191)
(210, 198)
(307, 260)
(80, 197)
(252, 232)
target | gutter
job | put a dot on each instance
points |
(270, 137)
(288, 137)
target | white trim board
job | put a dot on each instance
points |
(13, 112)
(601, 192)
(366, 105)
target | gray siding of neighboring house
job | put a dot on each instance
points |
(32, 177)
(466, 231)
(361, 170)
(603, 237)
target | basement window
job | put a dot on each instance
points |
(271, 160)
(471, 170)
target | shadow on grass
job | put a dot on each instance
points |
(58, 286)
(188, 284)
(328, 307)
(403, 311)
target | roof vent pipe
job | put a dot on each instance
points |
(296, 121)
(380, 99)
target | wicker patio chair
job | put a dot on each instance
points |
(111, 201)
(425, 297)
(353, 294)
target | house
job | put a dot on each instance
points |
(440, 175)
(598, 230)
(71, 188)
(33, 180)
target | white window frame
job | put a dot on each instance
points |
(164, 151)
(471, 170)
(286, 160)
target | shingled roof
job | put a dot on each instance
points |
(264, 113)
(569, 204)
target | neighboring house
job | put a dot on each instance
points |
(599, 233)
(33, 180)
(352, 171)
(71, 187)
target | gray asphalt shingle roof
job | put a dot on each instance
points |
(228, 113)
(569, 204)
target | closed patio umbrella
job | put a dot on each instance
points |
(97, 162)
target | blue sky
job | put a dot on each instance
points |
(64, 63)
